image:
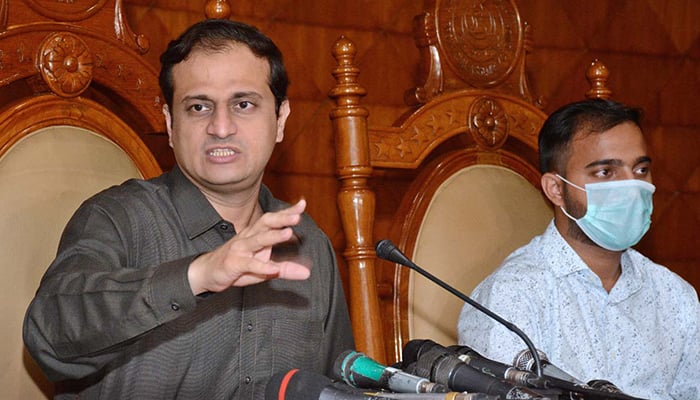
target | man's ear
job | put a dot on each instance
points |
(168, 123)
(283, 113)
(552, 186)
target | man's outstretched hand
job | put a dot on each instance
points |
(246, 258)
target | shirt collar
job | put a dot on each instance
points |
(195, 211)
(567, 261)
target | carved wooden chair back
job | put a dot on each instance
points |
(463, 162)
(77, 103)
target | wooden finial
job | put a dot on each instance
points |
(597, 76)
(218, 9)
(346, 90)
(344, 51)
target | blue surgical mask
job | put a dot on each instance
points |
(618, 213)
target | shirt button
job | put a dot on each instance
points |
(175, 306)
(223, 227)
(249, 327)
(247, 380)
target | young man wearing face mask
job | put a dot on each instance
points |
(597, 308)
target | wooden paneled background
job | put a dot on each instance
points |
(651, 48)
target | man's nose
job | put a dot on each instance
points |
(222, 124)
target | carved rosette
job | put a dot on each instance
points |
(65, 63)
(488, 123)
(481, 40)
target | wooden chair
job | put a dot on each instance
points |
(462, 161)
(77, 100)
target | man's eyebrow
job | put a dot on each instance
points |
(643, 159)
(196, 97)
(607, 161)
(248, 94)
(617, 162)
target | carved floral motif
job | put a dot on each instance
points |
(66, 64)
(488, 123)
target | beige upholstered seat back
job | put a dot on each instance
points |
(43, 179)
(476, 217)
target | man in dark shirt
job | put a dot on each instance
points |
(197, 284)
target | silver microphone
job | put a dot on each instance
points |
(524, 361)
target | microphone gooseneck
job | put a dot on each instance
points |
(388, 251)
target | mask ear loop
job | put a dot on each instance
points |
(577, 187)
(570, 183)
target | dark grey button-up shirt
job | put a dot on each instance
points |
(114, 316)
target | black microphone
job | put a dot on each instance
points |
(360, 371)
(387, 250)
(471, 357)
(442, 366)
(297, 384)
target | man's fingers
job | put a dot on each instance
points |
(265, 271)
(293, 271)
(289, 216)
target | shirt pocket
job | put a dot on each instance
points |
(296, 344)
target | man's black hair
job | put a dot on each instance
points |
(217, 35)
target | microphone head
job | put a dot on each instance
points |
(384, 248)
(526, 361)
(387, 250)
(415, 348)
(340, 366)
(295, 384)
(358, 370)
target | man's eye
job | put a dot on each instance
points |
(245, 105)
(642, 170)
(602, 173)
(197, 107)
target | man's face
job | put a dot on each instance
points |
(616, 154)
(222, 125)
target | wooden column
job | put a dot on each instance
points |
(356, 200)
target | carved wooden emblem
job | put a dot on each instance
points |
(488, 123)
(65, 63)
(480, 39)
(66, 10)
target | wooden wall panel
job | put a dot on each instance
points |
(651, 47)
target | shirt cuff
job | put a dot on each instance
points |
(171, 294)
